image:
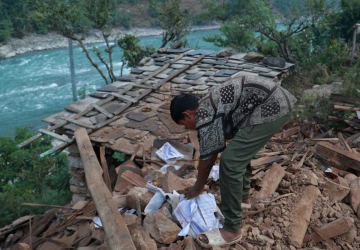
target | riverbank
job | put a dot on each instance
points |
(53, 40)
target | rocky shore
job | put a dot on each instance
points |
(53, 40)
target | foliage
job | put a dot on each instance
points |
(24, 177)
(255, 24)
(352, 81)
(132, 51)
(83, 92)
(120, 157)
(342, 22)
(5, 29)
(175, 23)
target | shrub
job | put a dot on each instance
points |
(24, 177)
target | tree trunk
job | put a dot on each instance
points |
(82, 45)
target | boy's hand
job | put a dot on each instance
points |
(193, 191)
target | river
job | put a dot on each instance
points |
(36, 85)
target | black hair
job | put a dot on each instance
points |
(182, 103)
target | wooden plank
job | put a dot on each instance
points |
(39, 135)
(160, 70)
(330, 230)
(341, 157)
(265, 160)
(134, 178)
(100, 125)
(105, 168)
(345, 108)
(102, 102)
(101, 110)
(347, 99)
(115, 228)
(325, 139)
(175, 74)
(80, 123)
(154, 74)
(343, 142)
(270, 183)
(125, 98)
(54, 135)
(48, 206)
(30, 140)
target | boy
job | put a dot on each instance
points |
(249, 110)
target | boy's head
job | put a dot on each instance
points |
(183, 110)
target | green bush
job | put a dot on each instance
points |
(351, 82)
(24, 177)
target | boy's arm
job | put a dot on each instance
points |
(204, 169)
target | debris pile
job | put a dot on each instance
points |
(305, 195)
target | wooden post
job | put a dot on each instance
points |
(342, 158)
(301, 215)
(116, 231)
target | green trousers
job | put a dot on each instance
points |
(235, 169)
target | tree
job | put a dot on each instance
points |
(342, 22)
(132, 51)
(73, 19)
(251, 25)
(175, 22)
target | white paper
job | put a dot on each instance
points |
(97, 220)
(169, 154)
(166, 167)
(160, 198)
(197, 215)
(155, 203)
(215, 173)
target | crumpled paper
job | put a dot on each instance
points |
(169, 154)
(198, 215)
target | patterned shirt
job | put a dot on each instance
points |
(240, 102)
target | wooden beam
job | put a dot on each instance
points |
(101, 110)
(54, 135)
(39, 135)
(343, 142)
(116, 231)
(301, 214)
(80, 123)
(105, 168)
(345, 108)
(125, 98)
(343, 159)
(175, 74)
(134, 178)
(330, 230)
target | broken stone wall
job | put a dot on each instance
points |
(77, 181)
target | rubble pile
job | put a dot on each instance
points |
(305, 195)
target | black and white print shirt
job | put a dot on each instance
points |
(240, 102)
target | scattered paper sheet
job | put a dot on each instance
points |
(215, 173)
(169, 154)
(198, 215)
(97, 220)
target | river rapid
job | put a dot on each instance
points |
(36, 85)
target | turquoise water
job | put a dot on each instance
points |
(36, 85)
